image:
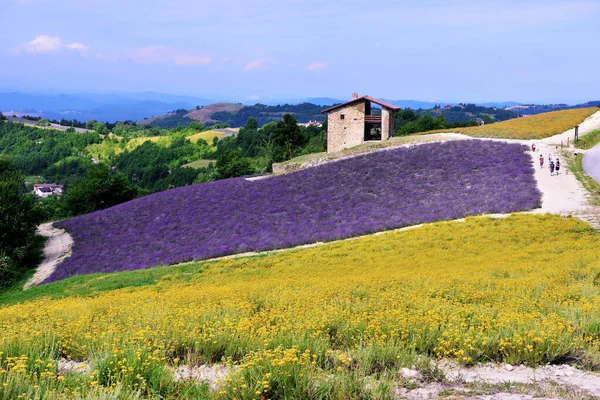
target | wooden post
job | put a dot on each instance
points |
(576, 133)
(567, 142)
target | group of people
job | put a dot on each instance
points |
(553, 165)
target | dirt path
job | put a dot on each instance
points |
(504, 382)
(486, 381)
(58, 247)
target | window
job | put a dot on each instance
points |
(342, 116)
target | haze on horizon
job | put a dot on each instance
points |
(540, 51)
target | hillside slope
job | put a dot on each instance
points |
(537, 126)
(202, 114)
(365, 194)
(236, 115)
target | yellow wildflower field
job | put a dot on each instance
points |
(208, 136)
(524, 289)
(537, 126)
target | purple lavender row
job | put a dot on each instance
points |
(370, 193)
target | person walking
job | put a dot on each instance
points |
(541, 161)
(557, 166)
(551, 167)
(533, 147)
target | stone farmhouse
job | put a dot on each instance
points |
(352, 123)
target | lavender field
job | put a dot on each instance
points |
(356, 196)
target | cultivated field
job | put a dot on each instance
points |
(102, 151)
(200, 163)
(361, 195)
(532, 127)
(207, 136)
(336, 321)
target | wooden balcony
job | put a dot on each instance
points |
(373, 119)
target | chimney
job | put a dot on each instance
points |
(354, 95)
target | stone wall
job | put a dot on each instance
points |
(347, 132)
(386, 119)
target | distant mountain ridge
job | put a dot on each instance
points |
(111, 107)
(101, 107)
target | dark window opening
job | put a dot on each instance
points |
(342, 116)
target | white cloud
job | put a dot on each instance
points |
(317, 66)
(43, 44)
(255, 64)
(77, 46)
(49, 44)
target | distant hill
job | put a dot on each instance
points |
(183, 117)
(236, 115)
(532, 109)
(323, 101)
(469, 112)
(101, 107)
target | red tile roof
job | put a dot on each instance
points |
(360, 99)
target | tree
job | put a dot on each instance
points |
(251, 124)
(230, 164)
(100, 128)
(197, 126)
(287, 138)
(100, 188)
(250, 138)
(18, 221)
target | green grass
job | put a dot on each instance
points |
(199, 164)
(92, 284)
(34, 179)
(366, 147)
(588, 140)
(575, 163)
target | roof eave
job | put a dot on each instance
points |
(363, 98)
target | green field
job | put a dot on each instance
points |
(200, 164)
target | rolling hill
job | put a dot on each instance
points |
(236, 115)
(329, 202)
(184, 117)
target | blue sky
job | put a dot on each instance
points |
(529, 51)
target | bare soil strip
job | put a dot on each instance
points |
(58, 247)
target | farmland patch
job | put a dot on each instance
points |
(357, 196)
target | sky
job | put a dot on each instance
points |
(528, 51)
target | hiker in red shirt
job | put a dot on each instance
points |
(541, 161)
